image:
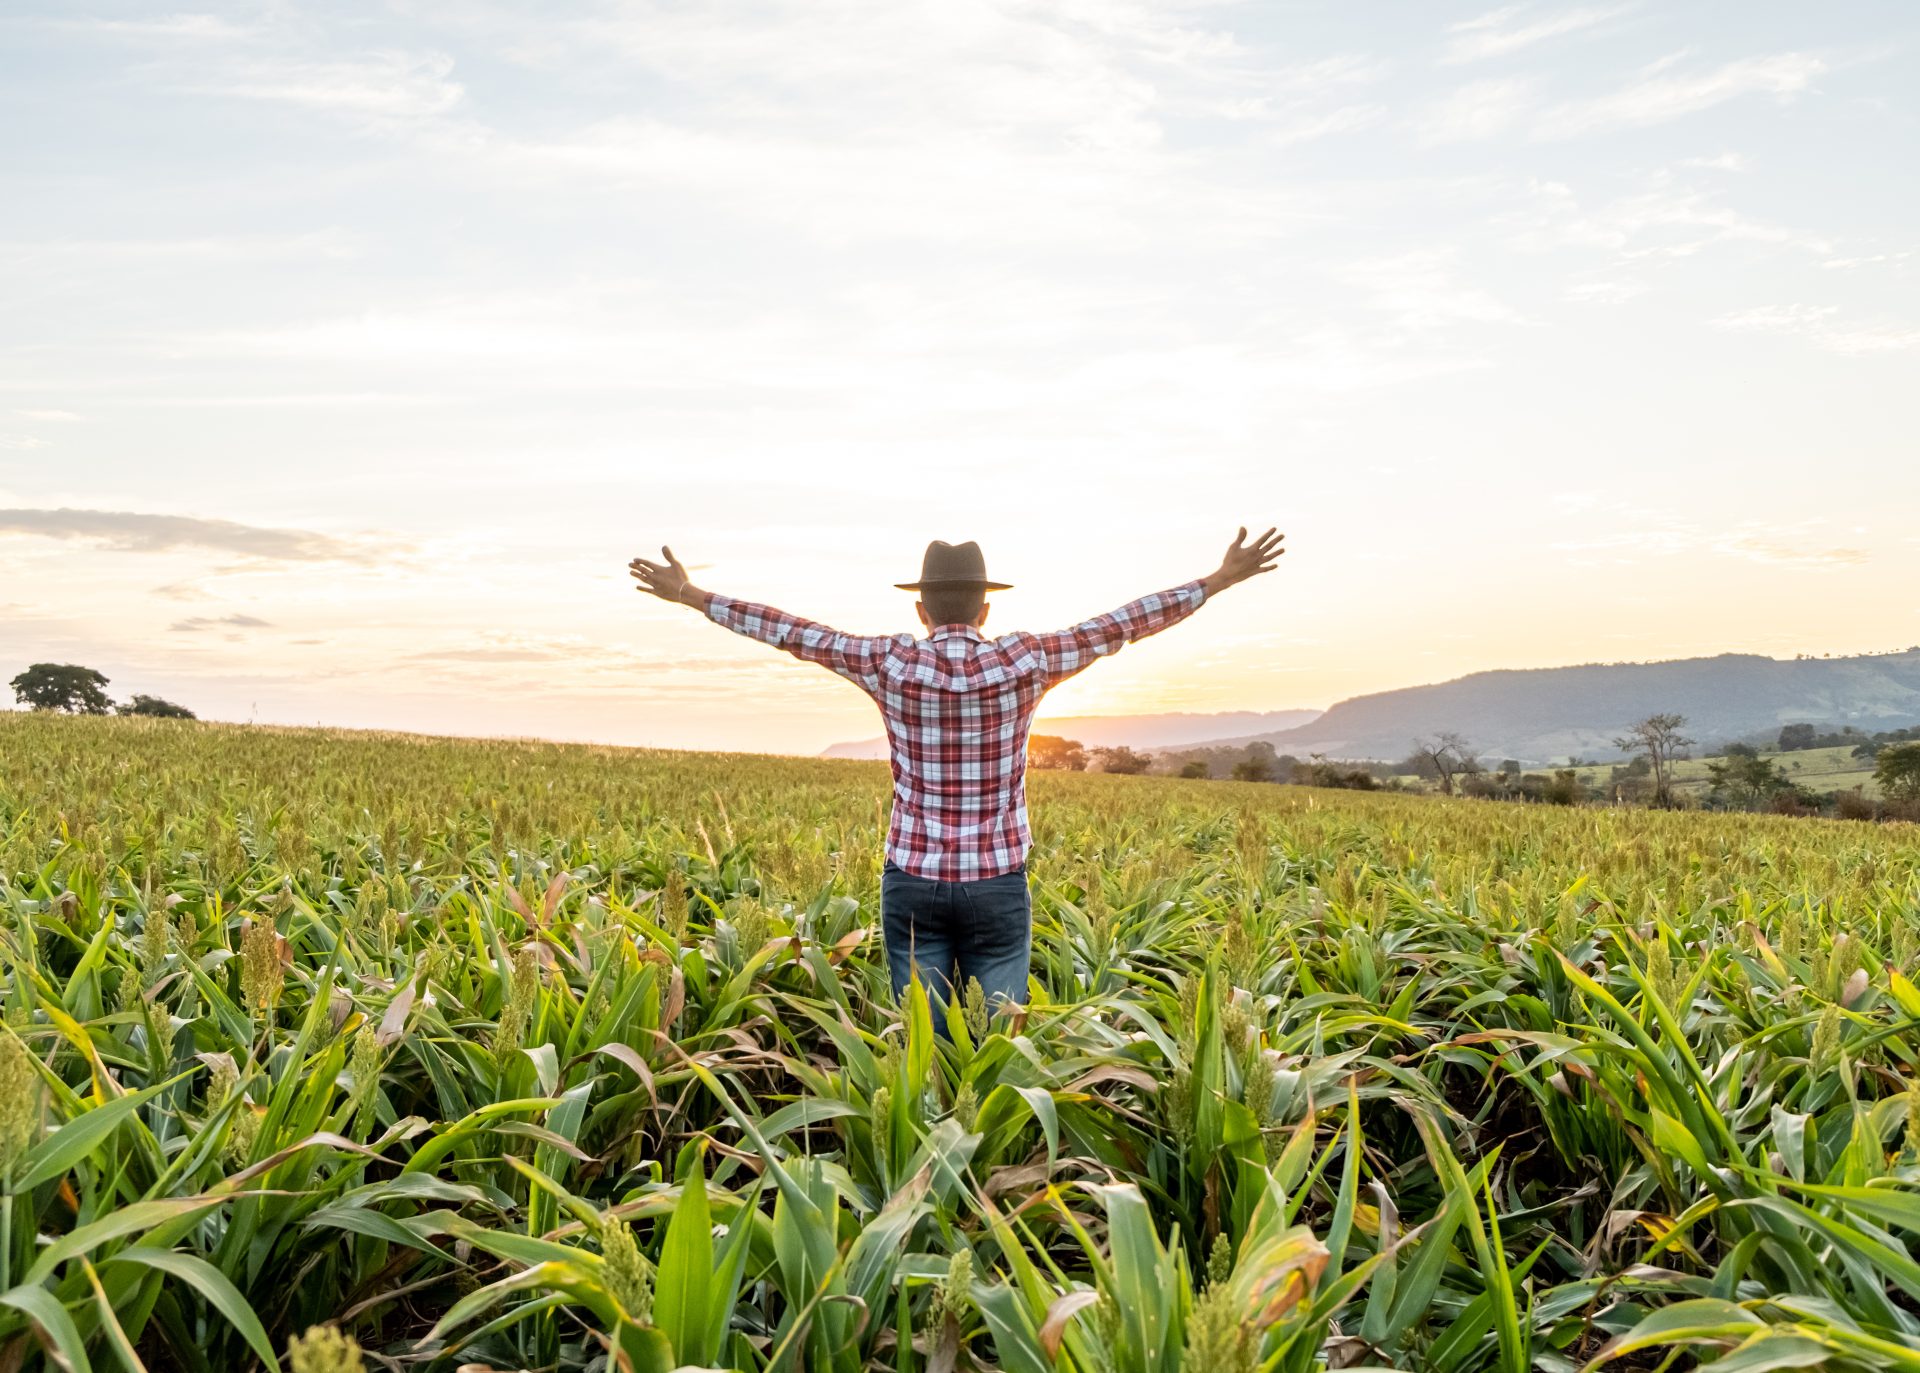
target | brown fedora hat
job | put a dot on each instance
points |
(953, 564)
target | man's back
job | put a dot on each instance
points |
(958, 707)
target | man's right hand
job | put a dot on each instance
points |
(667, 580)
(1244, 560)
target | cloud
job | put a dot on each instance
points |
(47, 416)
(196, 623)
(1666, 220)
(1820, 325)
(193, 27)
(20, 443)
(1665, 535)
(1604, 292)
(1479, 109)
(1422, 290)
(380, 86)
(1660, 96)
(1500, 32)
(122, 531)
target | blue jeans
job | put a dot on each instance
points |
(953, 931)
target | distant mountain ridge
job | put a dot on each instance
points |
(1164, 730)
(1542, 715)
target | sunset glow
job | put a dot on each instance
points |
(351, 351)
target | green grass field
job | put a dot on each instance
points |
(1818, 769)
(503, 1055)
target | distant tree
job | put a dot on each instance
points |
(1795, 737)
(1253, 768)
(1418, 764)
(1196, 767)
(1660, 739)
(1564, 789)
(1448, 755)
(1050, 751)
(1510, 767)
(1897, 770)
(1122, 759)
(65, 687)
(153, 705)
(1745, 779)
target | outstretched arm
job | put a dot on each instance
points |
(854, 658)
(1068, 651)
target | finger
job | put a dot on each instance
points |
(1240, 539)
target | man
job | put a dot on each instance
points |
(958, 705)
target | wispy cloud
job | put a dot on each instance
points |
(1477, 110)
(124, 531)
(194, 624)
(1503, 31)
(1667, 219)
(1822, 326)
(1664, 94)
(1659, 534)
(380, 86)
(1784, 549)
(1606, 292)
(1425, 289)
(190, 27)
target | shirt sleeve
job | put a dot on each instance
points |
(1067, 651)
(853, 657)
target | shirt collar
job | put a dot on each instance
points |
(957, 632)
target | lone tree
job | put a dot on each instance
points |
(1051, 751)
(1122, 759)
(65, 687)
(1255, 767)
(1660, 739)
(1448, 755)
(1897, 770)
(1796, 737)
(154, 705)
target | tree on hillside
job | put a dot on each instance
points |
(154, 705)
(1122, 759)
(1447, 755)
(1796, 737)
(1897, 770)
(1195, 768)
(1253, 768)
(1051, 751)
(65, 687)
(1745, 779)
(1660, 739)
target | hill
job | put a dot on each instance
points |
(1540, 715)
(1169, 730)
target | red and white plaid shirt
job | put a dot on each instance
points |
(958, 706)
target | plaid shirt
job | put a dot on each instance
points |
(958, 706)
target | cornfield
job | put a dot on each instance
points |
(521, 1056)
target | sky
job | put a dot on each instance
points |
(348, 351)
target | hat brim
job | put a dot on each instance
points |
(955, 581)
